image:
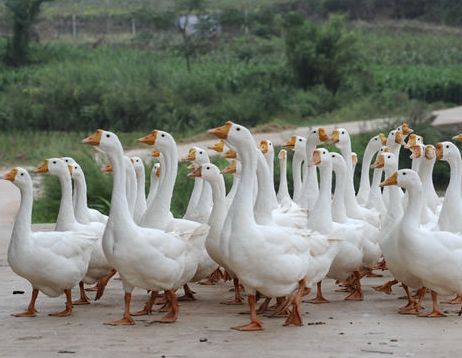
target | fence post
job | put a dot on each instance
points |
(133, 27)
(74, 28)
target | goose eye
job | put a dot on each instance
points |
(299, 139)
(314, 131)
(404, 173)
(208, 168)
(200, 152)
(388, 157)
(108, 135)
(270, 144)
(375, 139)
(238, 129)
(447, 146)
(162, 135)
(333, 156)
(343, 132)
(54, 161)
(22, 174)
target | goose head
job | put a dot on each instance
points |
(207, 171)
(156, 169)
(418, 151)
(104, 141)
(317, 136)
(161, 140)
(297, 144)
(405, 178)
(235, 136)
(267, 148)
(55, 166)
(282, 154)
(395, 139)
(231, 168)
(447, 151)
(405, 129)
(200, 156)
(18, 176)
(69, 160)
(138, 165)
(321, 158)
(340, 138)
(77, 172)
(413, 140)
(337, 161)
(430, 152)
(377, 141)
(218, 147)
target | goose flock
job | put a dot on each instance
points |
(271, 245)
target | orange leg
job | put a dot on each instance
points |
(214, 277)
(94, 288)
(68, 310)
(410, 308)
(282, 308)
(264, 306)
(127, 320)
(188, 294)
(295, 316)
(357, 294)
(172, 315)
(31, 311)
(319, 297)
(238, 300)
(455, 301)
(83, 296)
(102, 284)
(386, 288)
(436, 311)
(255, 324)
(148, 306)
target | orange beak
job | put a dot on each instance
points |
(158, 172)
(155, 153)
(230, 154)
(150, 139)
(316, 160)
(218, 147)
(399, 138)
(323, 136)
(94, 139)
(290, 144)
(335, 137)
(282, 154)
(191, 167)
(70, 169)
(107, 168)
(264, 146)
(11, 175)
(406, 130)
(191, 155)
(42, 168)
(430, 152)
(458, 137)
(393, 180)
(354, 158)
(230, 169)
(379, 163)
(221, 132)
(196, 173)
(383, 139)
(439, 151)
(416, 152)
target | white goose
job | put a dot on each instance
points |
(298, 145)
(284, 199)
(83, 213)
(268, 259)
(154, 183)
(53, 262)
(423, 250)
(140, 202)
(148, 258)
(98, 266)
(364, 184)
(211, 174)
(159, 215)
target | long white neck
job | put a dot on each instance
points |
(283, 192)
(425, 172)
(269, 157)
(158, 214)
(296, 175)
(310, 189)
(66, 210)
(364, 183)
(80, 204)
(320, 218)
(338, 203)
(353, 209)
(375, 195)
(233, 190)
(22, 225)
(266, 197)
(411, 218)
(218, 214)
(153, 185)
(140, 206)
(130, 184)
(452, 206)
(119, 213)
(194, 198)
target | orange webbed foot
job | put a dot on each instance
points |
(81, 301)
(25, 314)
(121, 322)
(253, 326)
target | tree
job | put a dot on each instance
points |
(24, 14)
(321, 54)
